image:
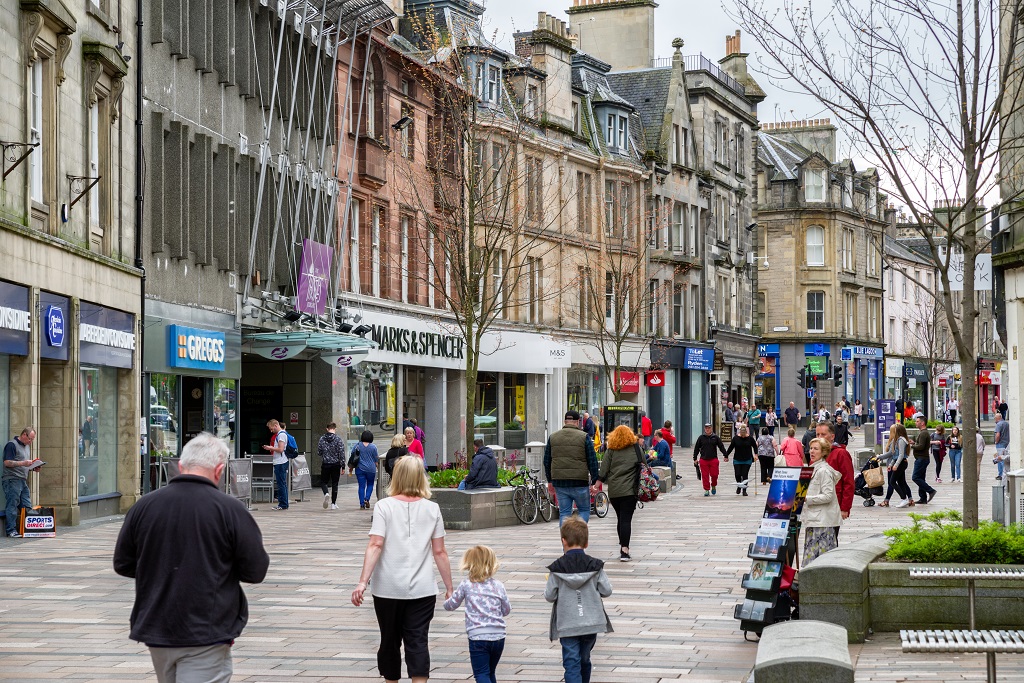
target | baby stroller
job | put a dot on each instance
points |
(860, 486)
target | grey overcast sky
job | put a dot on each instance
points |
(703, 25)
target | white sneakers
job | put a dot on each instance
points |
(903, 503)
(327, 500)
(333, 506)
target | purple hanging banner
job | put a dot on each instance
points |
(314, 272)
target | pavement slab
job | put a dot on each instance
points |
(671, 609)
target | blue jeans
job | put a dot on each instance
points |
(920, 477)
(18, 496)
(365, 480)
(576, 657)
(281, 483)
(567, 496)
(956, 456)
(483, 657)
(1001, 463)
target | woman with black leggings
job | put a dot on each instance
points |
(899, 444)
(620, 471)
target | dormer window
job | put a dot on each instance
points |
(847, 191)
(814, 185)
(532, 96)
(576, 127)
(616, 132)
(493, 83)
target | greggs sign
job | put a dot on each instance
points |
(188, 347)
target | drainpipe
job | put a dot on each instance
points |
(139, 204)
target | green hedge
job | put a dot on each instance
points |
(940, 537)
(450, 478)
(932, 424)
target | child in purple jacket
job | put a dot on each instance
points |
(486, 608)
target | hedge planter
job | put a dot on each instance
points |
(478, 509)
(898, 601)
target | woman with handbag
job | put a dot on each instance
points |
(620, 471)
(820, 516)
(896, 456)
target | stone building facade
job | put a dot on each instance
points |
(821, 225)
(69, 290)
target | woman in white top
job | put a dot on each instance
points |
(406, 532)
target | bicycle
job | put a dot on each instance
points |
(530, 497)
(599, 502)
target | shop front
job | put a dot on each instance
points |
(916, 386)
(15, 328)
(193, 367)
(893, 378)
(735, 369)
(590, 378)
(862, 368)
(417, 372)
(990, 382)
(680, 391)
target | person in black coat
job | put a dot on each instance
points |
(188, 546)
(483, 473)
(808, 435)
(842, 431)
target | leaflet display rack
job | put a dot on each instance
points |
(773, 550)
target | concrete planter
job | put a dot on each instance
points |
(853, 587)
(479, 509)
(898, 602)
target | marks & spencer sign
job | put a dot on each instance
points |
(190, 347)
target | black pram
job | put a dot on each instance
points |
(860, 486)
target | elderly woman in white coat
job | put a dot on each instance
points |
(820, 516)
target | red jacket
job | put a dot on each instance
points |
(839, 459)
(667, 434)
(646, 426)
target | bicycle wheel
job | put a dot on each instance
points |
(524, 505)
(601, 504)
(544, 505)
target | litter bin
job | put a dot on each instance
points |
(535, 458)
(999, 502)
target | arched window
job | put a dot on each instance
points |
(815, 246)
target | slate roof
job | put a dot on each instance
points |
(898, 248)
(782, 155)
(647, 90)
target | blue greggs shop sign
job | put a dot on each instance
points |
(188, 347)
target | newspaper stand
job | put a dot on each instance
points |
(261, 482)
(774, 548)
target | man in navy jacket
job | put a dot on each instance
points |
(188, 546)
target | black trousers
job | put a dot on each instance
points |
(742, 470)
(330, 475)
(898, 482)
(404, 622)
(624, 509)
(767, 463)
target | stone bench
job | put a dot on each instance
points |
(803, 651)
(835, 586)
(478, 509)
(666, 480)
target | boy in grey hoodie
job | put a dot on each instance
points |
(576, 584)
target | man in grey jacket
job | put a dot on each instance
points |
(17, 460)
(576, 585)
(922, 456)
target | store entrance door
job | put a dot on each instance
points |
(196, 406)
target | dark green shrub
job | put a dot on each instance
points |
(447, 479)
(940, 537)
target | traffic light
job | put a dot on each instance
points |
(802, 377)
(837, 375)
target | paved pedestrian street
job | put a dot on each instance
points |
(64, 613)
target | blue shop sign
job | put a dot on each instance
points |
(867, 352)
(15, 319)
(767, 350)
(819, 349)
(846, 354)
(54, 342)
(873, 371)
(106, 336)
(189, 347)
(699, 359)
(915, 371)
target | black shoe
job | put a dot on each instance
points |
(922, 502)
(738, 489)
(624, 556)
(931, 495)
(744, 492)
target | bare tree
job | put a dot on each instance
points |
(931, 341)
(491, 201)
(917, 87)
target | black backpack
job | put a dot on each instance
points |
(353, 459)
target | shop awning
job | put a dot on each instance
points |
(285, 345)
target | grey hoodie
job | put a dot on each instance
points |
(576, 584)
